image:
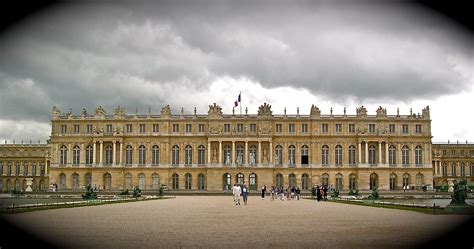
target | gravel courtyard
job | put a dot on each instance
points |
(214, 221)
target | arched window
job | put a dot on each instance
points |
(419, 181)
(325, 155)
(75, 181)
(445, 169)
(63, 155)
(304, 181)
(128, 181)
(76, 154)
(17, 185)
(226, 182)
(188, 179)
(155, 181)
(463, 169)
(418, 155)
(41, 185)
(108, 154)
(175, 155)
(240, 154)
(405, 155)
(392, 156)
(374, 181)
(8, 185)
(128, 155)
(292, 180)
(253, 155)
(141, 181)
(352, 155)
(278, 155)
(188, 155)
(393, 181)
(453, 169)
(141, 155)
(253, 181)
(325, 179)
(155, 155)
(25, 168)
(227, 155)
(88, 179)
(201, 155)
(304, 155)
(372, 155)
(279, 180)
(17, 168)
(107, 181)
(291, 155)
(62, 181)
(240, 178)
(201, 182)
(89, 155)
(338, 155)
(175, 181)
(339, 181)
(406, 180)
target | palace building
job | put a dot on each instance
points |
(212, 152)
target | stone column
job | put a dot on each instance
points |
(271, 153)
(101, 143)
(400, 154)
(94, 153)
(366, 152)
(233, 152)
(246, 161)
(120, 152)
(380, 152)
(208, 152)
(386, 152)
(360, 153)
(412, 158)
(83, 154)
(220, 152)
(259, 153)
(113, 152)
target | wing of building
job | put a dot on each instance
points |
(212, 152)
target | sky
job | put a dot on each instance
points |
(186, 54)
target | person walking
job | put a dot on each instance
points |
(264, 189)
(318, 193)
(298, 192)
(236, 191)
(325, 192)
(245, 194)
(273, 193)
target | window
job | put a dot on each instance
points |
(463, 169)
(129, 127)
(471, 153)
(240, 178)
(278, 155)
(406, 180)
(253, 181)
(304, 155)
(175, 127)
(156, 128)
(339, 181)
(89, 128)
(128, 155)
(405, 128)
(391, 128)
(42, 168)
(279, 180)
(252, 155)
(141, 155)
(445, 169)
(324, 128)
(76, 153)
(63, 129)
(418, 156)
(352, 128)
(89, 155)
(107, 181)
(33, 169)
(189, 128)
(108, 154)
(25, 168)
(352, 155)
(304, 181)
(462, 153)
(188, 155)
(227, 128)
(188, 179)
(392, 155)
(405, 156)
(292, 180)
(75, 181)
(142, 128)
(325, 179)
(201, 155)
(201, 127)
(155, 181)
(373, 181)
(372, 155)
(372, 128)
(63, 155)
(201, 181)
(128, 181)
(226, 156)
(253, 128)
(240, 154)
(175, 181)
(445, 153)
(453, 153)
(419, 180)
(393, 181)
(304, 128)
(109, 128)
(175, 155)
(352, 182)
(325, 155)
(418, 128)
(471, 172)
(76, 128)
(291, 155)
(240, 127)
(62, 181)
(278, 128)
(338, 155)
(291, 128)
(338, 128)
(453, 169)
(226, 181)
(155, 155)
(17, 169)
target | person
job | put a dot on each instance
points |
(318, 193)
(325, 191)
(298, 192)
(273, 193)
(236, 192)
(264, 189)
(245, 194)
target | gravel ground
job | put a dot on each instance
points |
(214, 221)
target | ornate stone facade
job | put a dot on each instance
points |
(453, 161)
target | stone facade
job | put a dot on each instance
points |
(453, 162)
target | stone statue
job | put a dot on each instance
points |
(252, 158)
(265, 154)
(460, 193)
(239, 158)
(227, 158)
(374, 195)
(214, 154)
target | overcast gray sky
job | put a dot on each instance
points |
(290, 54)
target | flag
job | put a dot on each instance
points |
(236, 103)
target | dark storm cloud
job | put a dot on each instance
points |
(81, 55)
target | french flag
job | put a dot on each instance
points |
(236, 103)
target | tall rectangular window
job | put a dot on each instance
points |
(175, 127)
(109, 128)
(304, 128)
(201, 127)
(63, 129)
(391, 128)
(405, 128)
(253, 128)
(76, 128)
(471, 153)
(352, 128)
(142, 128)
(418, 128)
(338, 128)
(291, 128)
(89, 128)
(278, 128)
(372, 128)
(156, 128)
(226, 127)
(462, 153)
(324, 128)
(240, 127)
(129, 128)
(453, 153)
(189, 128)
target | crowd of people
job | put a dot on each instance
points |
(277, 193)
